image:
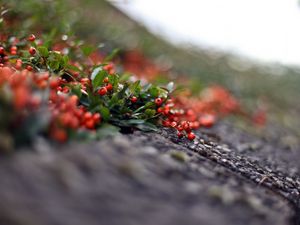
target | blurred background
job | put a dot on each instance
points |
(250, 47)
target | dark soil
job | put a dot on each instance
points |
(227, 176)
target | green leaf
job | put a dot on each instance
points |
(149, 105)
(147, 127)
(114, 80)
(163, 92)
(105, 113)
(170, 86)
(123, 91)
(95, 72)
(154, 91)
(43, 51)
(125, 77)
(150, 112)
(107, 130)
(72, 67)
(135, 87)
(98, 78)
(87, 49)
(111, 55)
(146, 106)
(65, 60)
(76, 89)
(114, 100)
(54, 65)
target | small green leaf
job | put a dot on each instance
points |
(135, 87)
(72, 67)
(111, 55)
(98, 79)
(150, 112)
(43, 51)
(87, 49)
(114, 100)
(170, 86)
(154, 91)
(105, 113)
(54, 65)
(125, 77)
(114, 80)
(95, 72)
(107, 130)
(149, 105)
(147, 127)
(76, 89)
(65, 60)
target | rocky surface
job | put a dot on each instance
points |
(226, 176)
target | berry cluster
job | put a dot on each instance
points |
(81, 89)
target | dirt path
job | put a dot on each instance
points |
(226, 177)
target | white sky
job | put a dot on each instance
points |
(267, 30)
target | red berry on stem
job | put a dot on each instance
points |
(133, 99)
(32, 51)
(191, 136)
(102, 91)
(179, 134)
(31, 37)
(105, 80)
(207, 120)
(158, 101)
(13, 50)
(90, 124)
(160, 110)
(29, 68)
(19, 64)
(166, 123)
(109, 87)
(173, 124)
(179, 128)
(97, 117)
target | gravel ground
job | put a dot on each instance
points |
(225, 177)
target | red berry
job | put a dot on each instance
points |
(88, 116)
(166, 123)
(59, 135)
(105, 80)
(109, 87)
(186, 126)
(173, 124)
(13, 48)
(65, 89)
(90, 124)
(179, 128)
(133, 99)
(191, 136)
(207, 120)
(160, 110)
(19, 64)
(97, 117)
(32, 51)
(84, 80)
(31, 37)
(29, 68)
(54, 82)
(179, 134)
(102, 91)
(1, 50)
(158, 101)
